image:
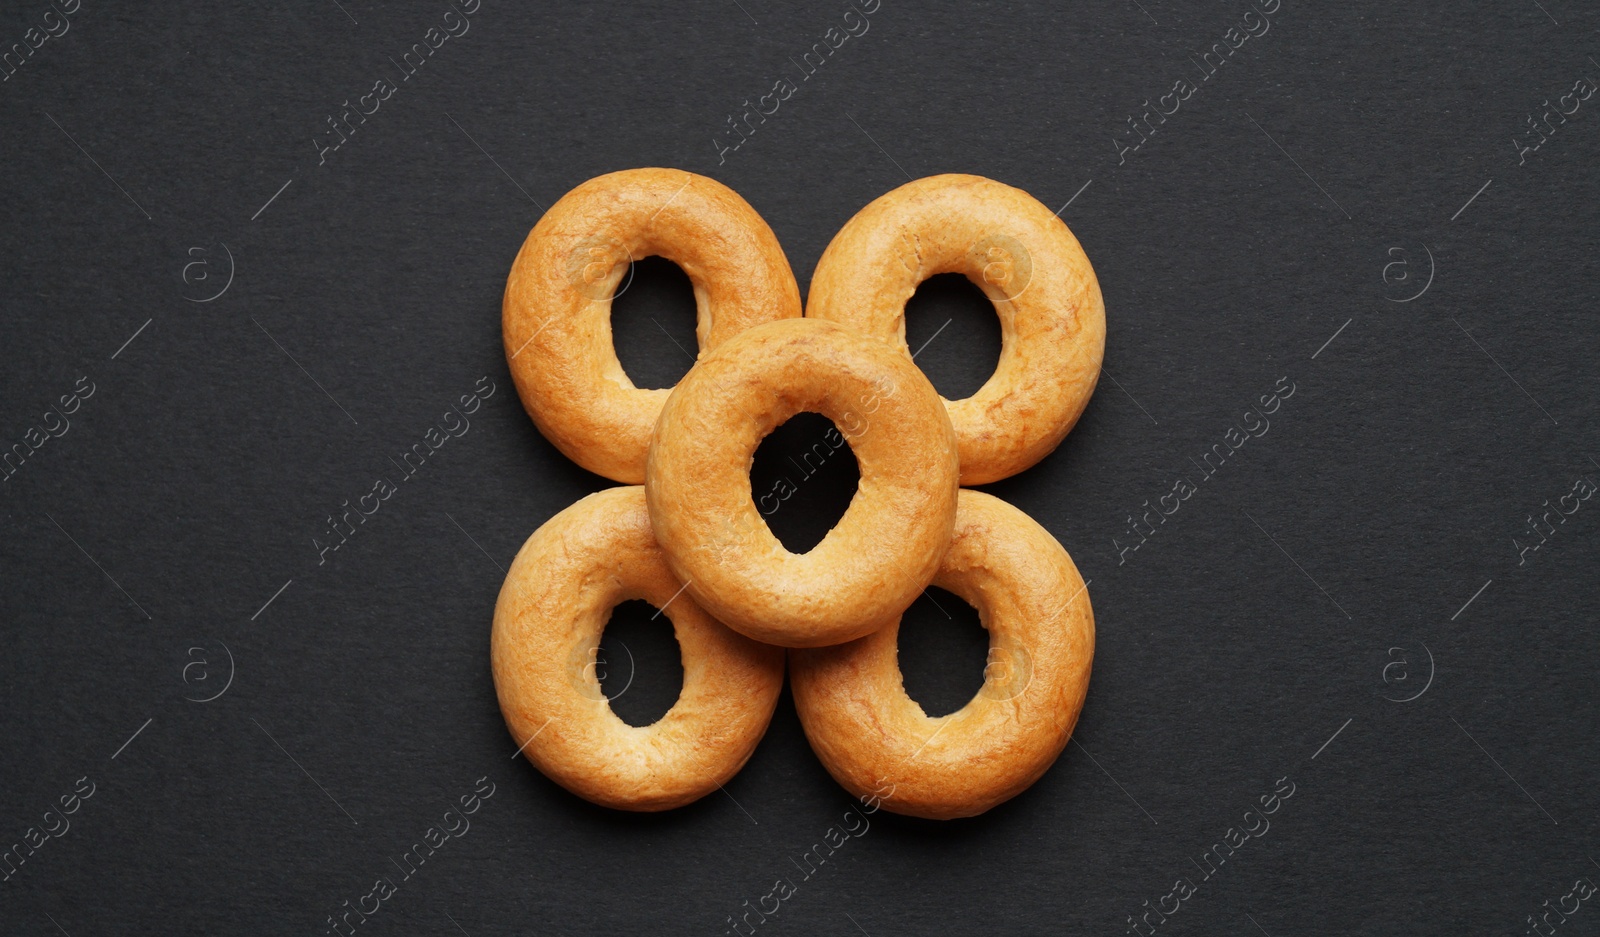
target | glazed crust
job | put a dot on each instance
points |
(877, 742)
(885, 548)
(556, 316)
(1024, 258)
(552, 611)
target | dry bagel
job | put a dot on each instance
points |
(877, 742)
(885, 548)
(556, 315)
(552, 610)
(1024, 258)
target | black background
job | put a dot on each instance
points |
(1251, 239)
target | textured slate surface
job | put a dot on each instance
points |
(257, 327)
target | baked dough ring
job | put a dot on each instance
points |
(552, 610)
(885, 548)
(1052, 317)
(557, 310)
(877, 742)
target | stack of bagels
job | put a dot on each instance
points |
(684, 533)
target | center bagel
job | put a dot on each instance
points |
(884, 550)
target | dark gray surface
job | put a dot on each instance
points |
(1245, 642)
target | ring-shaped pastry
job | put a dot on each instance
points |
(885, 548)
(552, 611)
(878, 743)
(1023, 257)
(556, 315)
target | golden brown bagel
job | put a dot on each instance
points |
(885, 548)
(556, 317)
(1052, 317)
(874, 739)
(553, 608)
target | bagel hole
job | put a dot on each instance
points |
(653, 316)
(639, 663)
(943, 650)
(802, 479)
(952, 328)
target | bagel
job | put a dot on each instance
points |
(885, 548)
(552, 610)
(556, 315)
(1024, 258)
(877, 742)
